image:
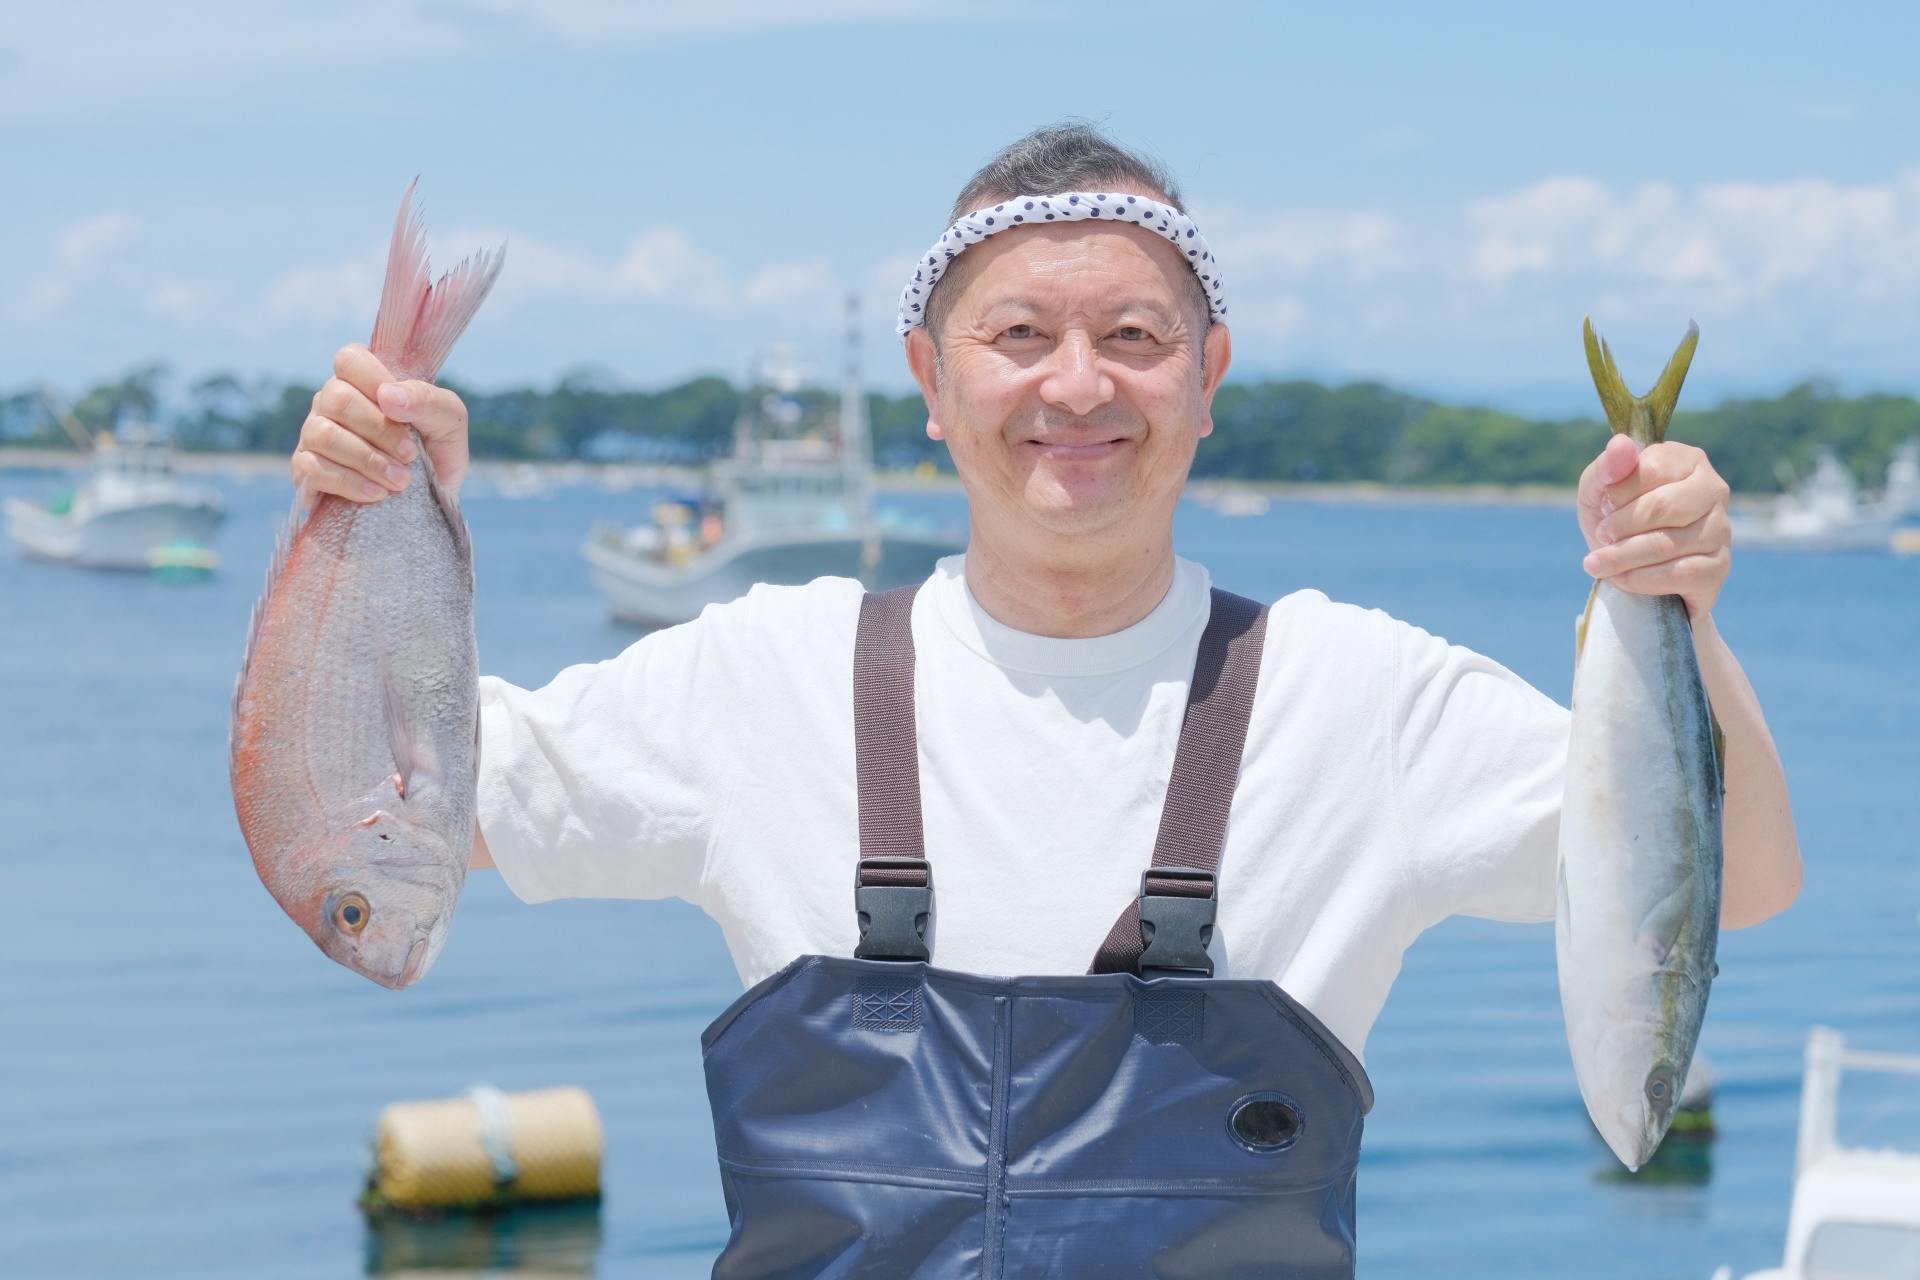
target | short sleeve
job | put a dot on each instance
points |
(1480, 758)
(609, 781)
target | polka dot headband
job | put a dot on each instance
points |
(1071, 206)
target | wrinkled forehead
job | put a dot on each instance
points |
(1079, 268)
(1149, 215)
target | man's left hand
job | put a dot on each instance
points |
(1656, 522)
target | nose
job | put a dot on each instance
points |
(1075, 382)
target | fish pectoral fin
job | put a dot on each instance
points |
(413, 756)
(1662, 925)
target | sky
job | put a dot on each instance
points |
(1427, 194)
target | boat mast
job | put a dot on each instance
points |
(856, 446)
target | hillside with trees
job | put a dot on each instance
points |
(1293, 431)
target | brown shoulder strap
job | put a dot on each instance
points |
(1168, 927)
(893, 883)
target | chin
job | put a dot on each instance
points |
(1075, 507)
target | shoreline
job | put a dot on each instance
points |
(528, 476)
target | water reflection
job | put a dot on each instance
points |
(536, 1242)
(1683, 1160)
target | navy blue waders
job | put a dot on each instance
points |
(880, 1118)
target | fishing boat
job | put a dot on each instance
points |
(1826, 512)
(130, 512)
(1856, 1210)
(793, 502)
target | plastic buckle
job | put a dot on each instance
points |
(893, 917)
(1176, 928)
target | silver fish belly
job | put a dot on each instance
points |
(1639, 909)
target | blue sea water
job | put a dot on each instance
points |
(187, 1086)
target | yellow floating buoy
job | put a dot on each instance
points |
(1906, 542)
(487, 1149)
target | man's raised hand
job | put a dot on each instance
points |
(354, 443)
(1656, 522)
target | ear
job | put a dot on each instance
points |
(924, 362)
(1219, 349)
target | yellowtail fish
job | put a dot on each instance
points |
(354, 749)
(1639, 909)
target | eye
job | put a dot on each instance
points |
(1131, 333)
(351, 913)
(1020, 332)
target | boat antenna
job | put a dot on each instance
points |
(856, 450)
(855, 443)
(76, 430)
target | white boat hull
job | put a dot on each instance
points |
(649, 594)
(120, 538)
(1868, 534)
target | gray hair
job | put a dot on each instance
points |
(1069, 156)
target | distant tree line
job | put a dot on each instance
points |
(1293, 430)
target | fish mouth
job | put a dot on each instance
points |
(419, 956)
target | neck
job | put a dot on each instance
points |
(1064, 593)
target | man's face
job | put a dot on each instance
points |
(1070, 386)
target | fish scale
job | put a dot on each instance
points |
(1637, 924)
(355, 749)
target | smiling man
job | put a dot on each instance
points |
(1066, 886)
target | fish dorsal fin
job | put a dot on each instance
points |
(282, 549)
(413, 756)
(1645, 418)
(420, 319)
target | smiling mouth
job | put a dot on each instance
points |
(1065, 449)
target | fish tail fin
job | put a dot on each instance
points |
(1666, 392)
(420, 319)
(1614, 396)
(1645, 418)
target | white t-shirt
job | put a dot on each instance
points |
(1390, 780)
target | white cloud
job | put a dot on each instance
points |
(82, 245)
(343, 292)
(1787, 278)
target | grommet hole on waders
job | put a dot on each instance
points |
(1265, 1123)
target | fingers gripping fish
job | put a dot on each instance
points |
(355, 745)
(1639, 908)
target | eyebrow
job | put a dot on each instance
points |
(1026, 306)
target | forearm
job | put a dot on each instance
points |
(1762, 875)
(482, 856)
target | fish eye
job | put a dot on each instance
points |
(1657, 1089)
(351, 913)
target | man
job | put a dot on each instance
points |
(1048, 714)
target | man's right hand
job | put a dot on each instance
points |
(354, 443)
